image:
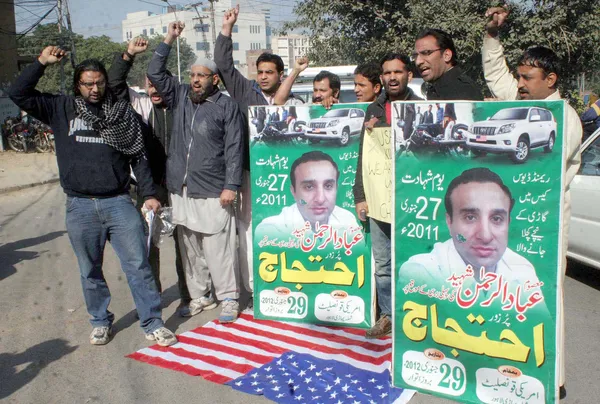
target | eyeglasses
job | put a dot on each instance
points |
(423, 53)
(201, 75)
(90, 85)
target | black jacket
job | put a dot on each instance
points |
(453, 85)
(206, 146)
(88, 167)
(157, 133)
(375, 109)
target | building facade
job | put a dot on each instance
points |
(290, 48)
(202, 26)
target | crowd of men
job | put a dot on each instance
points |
(188, 147)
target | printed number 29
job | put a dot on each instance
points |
(454, 378)
(297, 306)
(437, 201)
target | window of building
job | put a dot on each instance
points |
(236, 63)
(144, 32)
(236, 46)
(201, 27)
(151, 31)
(255, 29)
(235, 29)
(202, 46)
(164, 30)
(268, 31)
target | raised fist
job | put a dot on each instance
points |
(175, 29)
(137, 45)
(497, 16)
(301, 64)
(230, 17)
(51, 55)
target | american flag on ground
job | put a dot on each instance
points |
(234, 353)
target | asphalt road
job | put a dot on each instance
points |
(45, 356)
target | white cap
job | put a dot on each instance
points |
(209, 64)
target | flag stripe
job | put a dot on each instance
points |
(219, 358)
(350, 333)
(312, 333)
(356, 352)
(206, 370)
(374, 364)
(229, 339)
(221, 350)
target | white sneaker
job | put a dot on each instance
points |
(163, 336)
(101, 335)
(196, 306)
(230, 311)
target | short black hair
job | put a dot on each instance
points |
(88, 65)
(480, 175)
(444, 41)
(271, 58)
(397, 56)
(541, 57)
(334, 79)
(371, 71)
(314, 155)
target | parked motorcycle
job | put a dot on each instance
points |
(19, 135)
(278, 131)
(44, 138)
(428, 138)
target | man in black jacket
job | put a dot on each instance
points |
(204, 172)
(436, 58)
(97, 140)
(158, 120)
(396, 73)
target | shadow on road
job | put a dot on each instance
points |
(10, 254)
(583, 274)
(31, 362)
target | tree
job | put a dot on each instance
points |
(354, 31)
(95, 47)
(137, 74)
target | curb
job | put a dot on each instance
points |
(31, 185)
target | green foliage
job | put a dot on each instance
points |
(95, 47)
(137, 74)
(355, 31)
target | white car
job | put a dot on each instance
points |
(336, 124)
(584, 244)
(514, 131)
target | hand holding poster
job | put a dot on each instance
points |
(311, 254)
(477, 254)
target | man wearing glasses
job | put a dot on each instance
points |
(436, 59)
(98, 138)
(204, 172)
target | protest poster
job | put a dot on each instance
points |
(311, 255)
(476, 253)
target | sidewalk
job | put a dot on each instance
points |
(23, 170)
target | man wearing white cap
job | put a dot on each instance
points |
(204, 172)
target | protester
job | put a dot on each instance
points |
(367, 82)
(396, 73)
(537, 79)
(158, 124)
(326, 89)
(437, 60)
(204, 172)
(263, 91)
(97, 140)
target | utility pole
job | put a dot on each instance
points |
(70, 32)
(212, 18)
(199, 18)
(59, 11)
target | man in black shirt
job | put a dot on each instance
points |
(97, 140)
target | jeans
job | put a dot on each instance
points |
(91, 222)
(382, 251)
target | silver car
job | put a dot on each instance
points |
(584, 234)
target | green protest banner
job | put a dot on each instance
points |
(312, 257)
(476, 253)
